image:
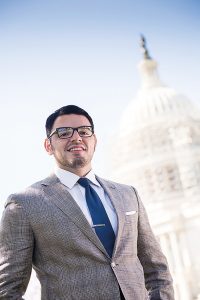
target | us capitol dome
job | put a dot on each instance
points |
(157, 150)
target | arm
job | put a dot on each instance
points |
(16, 248)
(157, 276)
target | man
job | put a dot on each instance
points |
(87, 238)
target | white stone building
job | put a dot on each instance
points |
(157, 149)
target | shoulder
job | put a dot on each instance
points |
(119, 186)
(31, 192)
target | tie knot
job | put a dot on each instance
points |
(84, 182)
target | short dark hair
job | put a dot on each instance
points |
(66, 110)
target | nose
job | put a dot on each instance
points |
(76, 136)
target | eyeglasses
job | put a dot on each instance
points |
(67, 132)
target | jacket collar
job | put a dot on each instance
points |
(58, 194)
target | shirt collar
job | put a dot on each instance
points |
(70, 179)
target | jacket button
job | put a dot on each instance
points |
(113, 264)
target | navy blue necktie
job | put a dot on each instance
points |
(101, 222)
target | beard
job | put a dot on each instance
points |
(72, 164)
(76, 163)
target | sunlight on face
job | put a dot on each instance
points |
(75, 153)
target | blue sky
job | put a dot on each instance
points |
(54, 53)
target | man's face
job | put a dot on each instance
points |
(73, 154)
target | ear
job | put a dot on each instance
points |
(48, 146)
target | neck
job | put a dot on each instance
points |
(81, 172)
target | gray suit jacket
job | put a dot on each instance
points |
(43, 227)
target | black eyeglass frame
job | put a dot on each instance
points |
(73, 129)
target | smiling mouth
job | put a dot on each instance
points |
(75, 149)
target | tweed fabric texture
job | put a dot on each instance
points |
(43, 227)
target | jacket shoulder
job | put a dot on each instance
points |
(117, 185)
(31, 192)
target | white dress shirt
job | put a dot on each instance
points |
(78, 193)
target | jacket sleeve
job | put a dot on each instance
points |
(158, 280)
(16, 249)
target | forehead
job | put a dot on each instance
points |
(71, 120)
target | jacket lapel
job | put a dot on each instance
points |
(58, 194)
(117, 201)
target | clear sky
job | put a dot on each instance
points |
(54, 53)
